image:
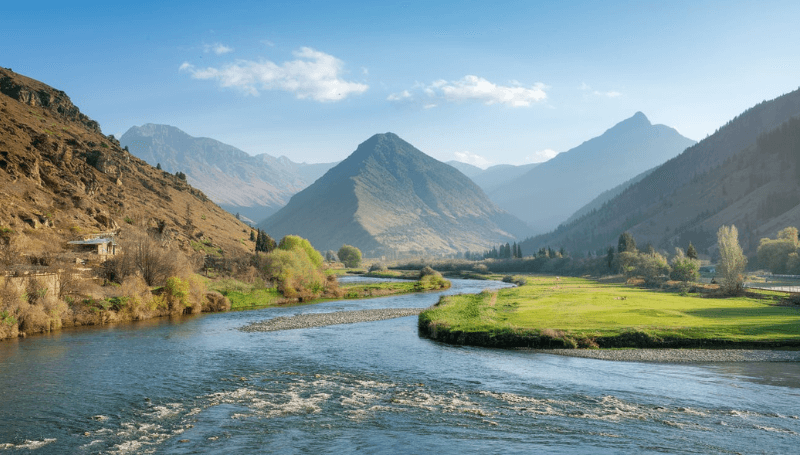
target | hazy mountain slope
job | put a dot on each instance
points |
(388, 198)
(607, 195)
(726, 178)
(465, 168)
(500, 174)
(548, 194)
(254, 186)
(61, 178)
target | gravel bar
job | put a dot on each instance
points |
(678, 355)
(304, 321)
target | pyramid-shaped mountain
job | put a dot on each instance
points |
(390, 199)
(547, 195)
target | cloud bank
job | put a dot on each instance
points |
(474, 88)
(313, 75)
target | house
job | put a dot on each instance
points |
(101, 244)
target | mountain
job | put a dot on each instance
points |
(465, 168)
(390, 199)
(498, 175)
(253, 186)
(746, 174)
(62, 179)
(548, 194)
(608, 195)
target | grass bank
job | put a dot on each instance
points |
(551, 312)
(244, 296)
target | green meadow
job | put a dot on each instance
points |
(585, 312)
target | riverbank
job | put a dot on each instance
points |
(677, 355)
(568, 313)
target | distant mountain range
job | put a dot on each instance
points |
(390, 199)
(747, 173)
(548, 194)
(492, 177)
(253, 186)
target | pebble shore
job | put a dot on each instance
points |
(678, 355)
(304, 321)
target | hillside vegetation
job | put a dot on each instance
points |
(745, 174)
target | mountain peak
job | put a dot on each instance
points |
(637, 121)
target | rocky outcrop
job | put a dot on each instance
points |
(34, 93)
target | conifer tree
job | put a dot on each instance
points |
(691, 252)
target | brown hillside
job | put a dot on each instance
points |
(61, 179)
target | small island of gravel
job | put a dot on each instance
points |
(304, 321)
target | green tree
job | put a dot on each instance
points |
(626, 243)
(731, 260)
(610, 256)
(294, 242)
(264, 242)
(350, 256)
(684, 268)
(691, 252)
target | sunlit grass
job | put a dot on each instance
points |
(585, 308)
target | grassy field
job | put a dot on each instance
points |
(587, 313)
(244, 296)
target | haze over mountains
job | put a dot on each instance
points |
(388, 198)
(746, 173)
(548, 194)
(253, 186)
(492, 177)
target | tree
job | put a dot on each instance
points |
(252, 236)
(158, 166)
(264, 242)
(350, 256)
(626, 243)
(610, 256)
(691, 252)
(684, 268)
(774, 254)
(731, 260)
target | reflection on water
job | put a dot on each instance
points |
(199, 385)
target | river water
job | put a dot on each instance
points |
(199, 385)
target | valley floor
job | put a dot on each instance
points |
(557, 312)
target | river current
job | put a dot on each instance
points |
(200, 385)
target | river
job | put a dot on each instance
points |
(200, 385)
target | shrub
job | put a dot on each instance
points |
(685, 269)
(350, 256)
(176, 295)
(293, 272)
(378, 267)
(293, 242)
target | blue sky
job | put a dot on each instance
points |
(483, 82)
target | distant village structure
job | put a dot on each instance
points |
(103, 244)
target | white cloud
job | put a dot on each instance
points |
(584, 86)
(541, 156)
(611, 94)
(474, 88)
(313, 74)
(405, 94)
(217, 48)
(473, 159)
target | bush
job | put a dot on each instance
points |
(378, 267)
(294, 273)
(685, 269)
(350, 256)
(293, 242)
